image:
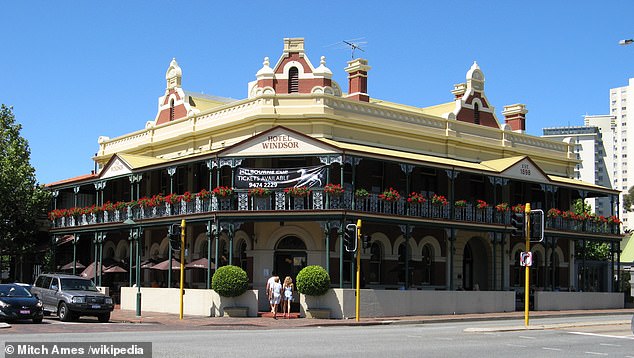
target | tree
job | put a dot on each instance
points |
(628, 200)
(22, 200)
(599, 251)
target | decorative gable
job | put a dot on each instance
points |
(293, 73)
(471, 103)
(525, 170)
(279, 141)
(173, 104)
(114, 168)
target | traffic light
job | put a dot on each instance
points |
(366, 241)
(350, 238)
(537, 225)
(517, 225)
(175, 237)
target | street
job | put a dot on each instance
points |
(408, 340)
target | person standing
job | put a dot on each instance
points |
(288, 296)
(269, 286)
(276, 294)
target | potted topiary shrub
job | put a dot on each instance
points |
(229, 282)
(314, 282)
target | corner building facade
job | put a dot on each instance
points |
(434, 188)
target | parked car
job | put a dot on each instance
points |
(72, 296)
(17, 303)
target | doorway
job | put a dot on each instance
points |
(289, 258)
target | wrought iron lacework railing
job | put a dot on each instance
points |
(319, 200)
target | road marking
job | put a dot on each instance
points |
(609, 344)
(551, 349)
(527, 337)
(596, 353)
(515, 345)
(601, 335)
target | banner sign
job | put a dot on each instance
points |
(272, 178)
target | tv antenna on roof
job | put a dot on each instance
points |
(355, 45)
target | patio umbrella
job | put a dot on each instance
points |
(69, 266)
(165, 265)
(89, 271)
(200, 263)
(114, 268)
(146, 264)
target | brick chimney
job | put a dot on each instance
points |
(358, 79)
(515, 117)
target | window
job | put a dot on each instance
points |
(293, 80)
(476, 113)
(171, 110)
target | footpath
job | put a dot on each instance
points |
(515, 319)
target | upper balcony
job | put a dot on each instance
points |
(438, 211)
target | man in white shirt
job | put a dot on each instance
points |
(269, 290)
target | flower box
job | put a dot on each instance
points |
(223, 192)
(390, 194)
(333, 189)
(297, 192)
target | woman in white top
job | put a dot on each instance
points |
(288, 296)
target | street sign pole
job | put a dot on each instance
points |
(527, 230)
(358, 291)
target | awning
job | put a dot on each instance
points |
(64, 239)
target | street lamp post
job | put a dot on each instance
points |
(135, 232)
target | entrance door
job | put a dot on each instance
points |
(290, 257)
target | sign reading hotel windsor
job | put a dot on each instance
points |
(280, 177)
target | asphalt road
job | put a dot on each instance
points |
(412, 340)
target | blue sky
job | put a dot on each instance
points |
(74, 71)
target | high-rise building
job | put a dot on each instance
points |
(601, 145)
(590, 149)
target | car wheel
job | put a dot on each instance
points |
(104, 317)
(65, 315)
(37, 320)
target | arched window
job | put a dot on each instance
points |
(171, 110)
(376, 256)
(476, 113)
(293, 80)
(428, 259)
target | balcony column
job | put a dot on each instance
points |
(340, 232)
(217, 241)
(553, 268)
(451, 233)
(328, 161)
(171, 171)
(407, 232)
(76, 192)
(353, 161)
(211, 232)
(99, 187)
(618, 266)
(99, 238)
(210, 165)
(75, 240)
(135, 180)
(326, 227)
(229, 228)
